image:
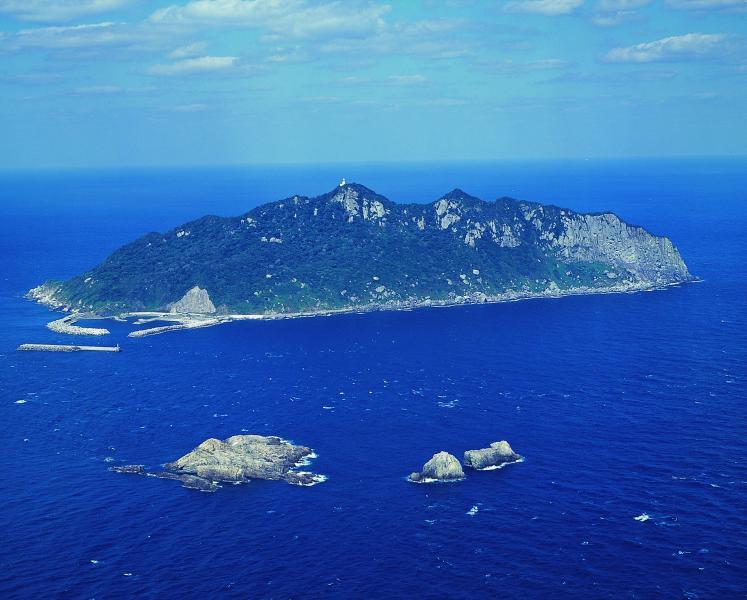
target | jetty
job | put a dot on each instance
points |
(67, 326)
(65, 348)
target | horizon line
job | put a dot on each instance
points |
(301, 164)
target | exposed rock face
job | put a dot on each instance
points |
(133, 469)
(442, 467)
(191, 482)
(241, 457)
(48, 295)
(499, 453)
(195, 300)
(237, 459)
(606, 239)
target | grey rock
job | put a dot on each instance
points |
(237, 459)
(191, 482)
(303, 478)
(195, 300)
(241, 458)
(498, 454)
(442, 467)
(133, 469)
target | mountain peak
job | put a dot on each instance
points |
(351, 191)
(458, 194)
(361, 189)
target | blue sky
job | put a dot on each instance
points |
(185, 82)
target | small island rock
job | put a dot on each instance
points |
(240, 458)
(237, 459)
(442, 467)
(499, 453)
(134, 469)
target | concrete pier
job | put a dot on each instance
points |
(63, 348)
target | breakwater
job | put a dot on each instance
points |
(67, 326)
(65, 348)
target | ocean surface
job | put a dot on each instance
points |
(624, 406)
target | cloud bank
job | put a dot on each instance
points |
(690, 46)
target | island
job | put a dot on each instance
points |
(352, 249)
(442, 467)
(237, 459)
(498, 455)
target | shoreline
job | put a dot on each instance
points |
(184, 321)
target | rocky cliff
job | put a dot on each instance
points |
(354, 249)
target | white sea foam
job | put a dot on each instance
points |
(315, 478)
(434, 480)
(21, 401)
(642, 517)
(505, 464)
(328, 407)
(306, 460)
(473, 511)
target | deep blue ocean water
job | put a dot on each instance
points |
(621, 404)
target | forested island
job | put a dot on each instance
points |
(353, 249)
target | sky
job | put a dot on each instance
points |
(114, 83)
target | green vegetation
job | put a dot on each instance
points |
(350, 247)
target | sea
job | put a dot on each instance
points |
(630, 410)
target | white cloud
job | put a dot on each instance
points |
(192, 66)
(51, 11)
(707, 4)
(190, 108)
(543, 7)
(188, 51)
(73, 36)
(680, 47)
(444, 102)
(514, 67)
(610, 13)
(406, 79)
(29, 79)
(621, 5)
(613, 19)
(436, 39)
(296, 31)
(281, 19)
(98, 90)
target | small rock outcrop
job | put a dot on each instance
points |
(133, 469)
(499, 454)
(442, 467)
(196, 301)
(237, 459)
(241, 457)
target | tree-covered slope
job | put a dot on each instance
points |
(354, 248)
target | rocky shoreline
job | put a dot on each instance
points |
(237, 459)
(45, 295)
